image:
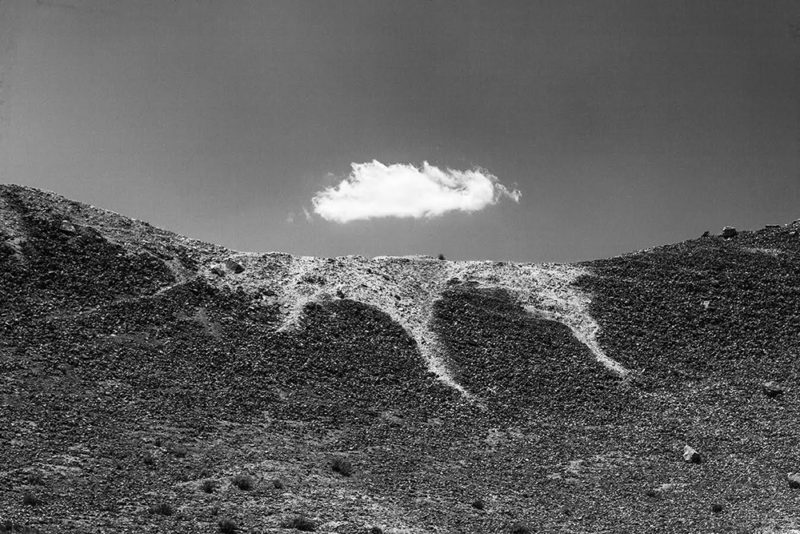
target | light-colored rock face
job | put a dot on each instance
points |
(406, 290)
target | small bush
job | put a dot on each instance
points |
(478, 504)
(441, 256)
(208, 486)
(300, 523)
(29, 499)
(716, 508)
(149, 459)
(277, 484)
(243, 482)
(651, 493)
(179, 451)
(226, 526)
(161, 509)
(157, 442)
(376, 530)
(342, 466)
(519, 528)
(36, 479)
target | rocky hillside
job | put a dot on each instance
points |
(151, 382)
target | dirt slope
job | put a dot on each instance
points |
(138, 364)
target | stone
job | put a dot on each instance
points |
(690, 455)
(728, 232)
(233, 266)
(794, 480)
(772, 390)
(68, 227)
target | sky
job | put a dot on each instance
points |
(544, 131)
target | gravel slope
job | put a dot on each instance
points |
(138, 365)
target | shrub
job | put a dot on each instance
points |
(519, 528)
(716, 508)
(179, 451)
(277, 484)
(29, 499)
(342, 466)
(36, 479)
(243, 482)
(376, 530)
(149, 459)
(300, 523)
(478, 504)
(226, 526)
(161, 509)
(441, 256)
(208, 486)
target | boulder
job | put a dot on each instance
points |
(728, 232)
(68, 227)
(794, 480)
(690, 455)
(772, 390)
(233, 266)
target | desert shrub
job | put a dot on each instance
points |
(179, 451)
(301, 523)
(208, 486)
(226, 526)
(441, 256)
(478, 504)
(243, 482)
(277, 484)
(519, 528)
(149, 459)
(342, 466)
(376, 530)
(157, 442)
(36, 479)
(651, 493)
(716, 508)
(29, 499)
(161, 509)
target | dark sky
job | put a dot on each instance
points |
(624, 124)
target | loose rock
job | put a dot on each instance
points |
(233, 266)
(794, 480)
(68, 227)
(772, 390)
(729, 231)
(690, 455)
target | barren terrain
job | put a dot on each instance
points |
(154, 383)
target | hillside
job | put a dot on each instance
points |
(143, 372)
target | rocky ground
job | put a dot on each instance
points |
(153, 383)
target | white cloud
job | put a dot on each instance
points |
(374, 190)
